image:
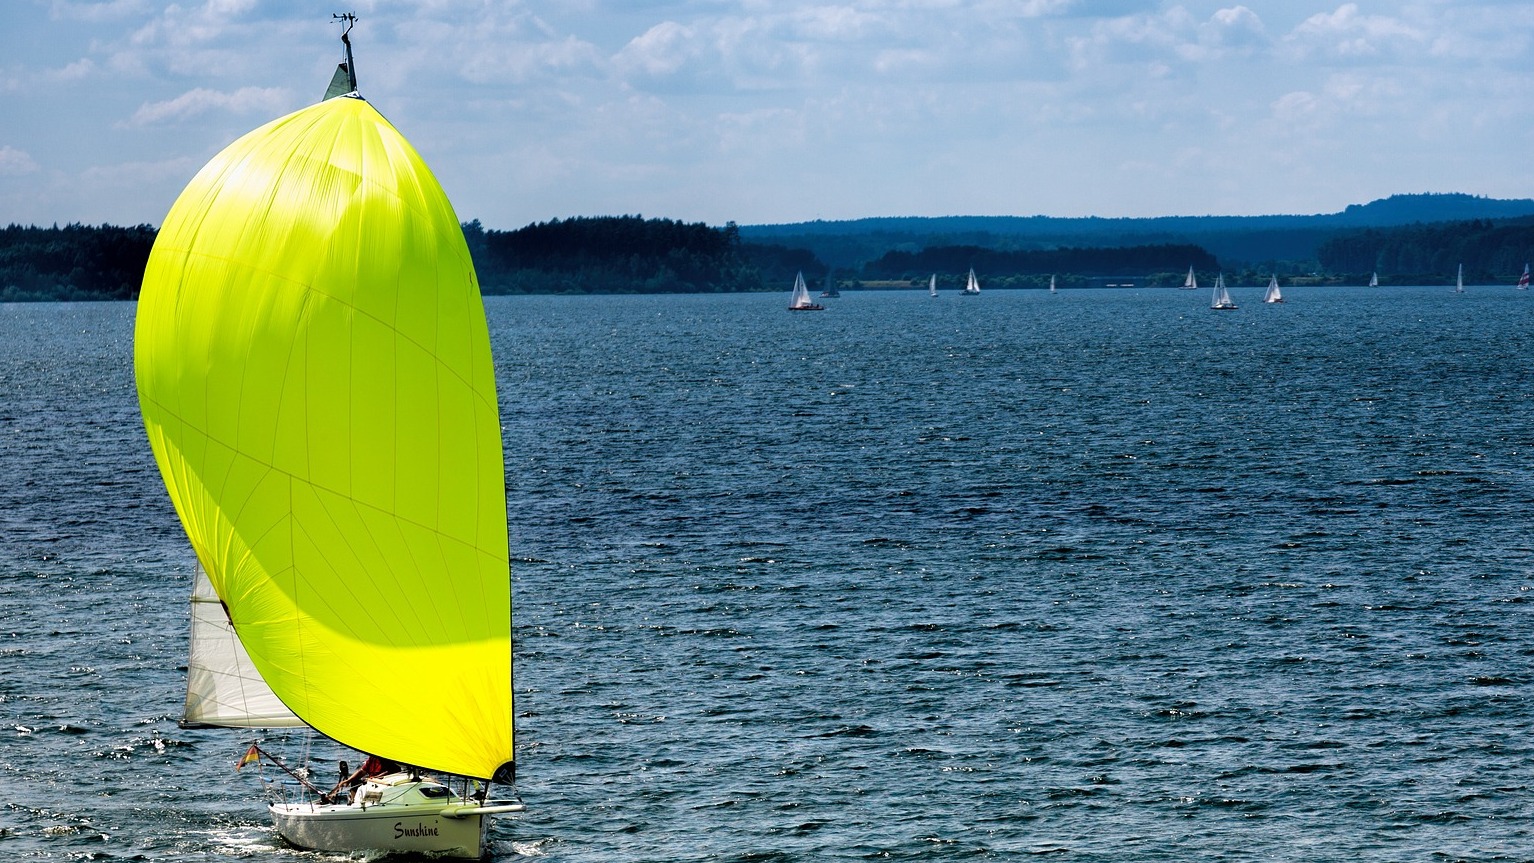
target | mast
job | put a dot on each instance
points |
(350, 20)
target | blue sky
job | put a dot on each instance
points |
(760, 112)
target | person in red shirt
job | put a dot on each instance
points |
(373, 766)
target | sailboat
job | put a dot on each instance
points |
(932, 286)
(830, 290)
(1191, 282)
(1523, 280)
(971, 287)
(1273, 295)
(1459, 280)
(1221, 298)
(800, 301)
(1052, 284)
(314, 372)
(1374, 280)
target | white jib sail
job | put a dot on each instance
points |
(222, 685)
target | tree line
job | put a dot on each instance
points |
(1290, 241)
(586, 255)
(1491, 252)
(75, 262)
(629, 254)
(609, 254)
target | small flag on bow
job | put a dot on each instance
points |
(251, 756)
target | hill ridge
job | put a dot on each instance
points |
(1401, 209)
(848, 243)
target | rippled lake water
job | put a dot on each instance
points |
(1104, 574)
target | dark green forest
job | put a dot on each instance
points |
(632, 254)
(75, 262)
(623, 254)
(1492, 252)
(1286, 244)
(611, 254)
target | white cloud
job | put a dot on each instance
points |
(98, 13)
(14, 162)
(1295, 107)
(1160, 37)
(228, 8)
(1237, 27)
(1341, 98)
(660, 51)
(218, 39)
(76, 71)
(501, 45)
(835, 23)
(749, 109)
(1349, 34)
(526, 63)
(200, 101)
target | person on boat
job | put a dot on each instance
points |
(373, 766)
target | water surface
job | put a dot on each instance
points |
(1102, 573)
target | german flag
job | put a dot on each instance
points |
(251, 756)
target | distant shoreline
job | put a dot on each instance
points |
(1406, 239)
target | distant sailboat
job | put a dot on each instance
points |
(830, 290)
(1191, 282)
(1221, 299)
(973, 286)
(932, 286)
(1374, 280)
(1459, 280)
(1523, 280)
(800, 301)
(1273, 295)
(1052, 284)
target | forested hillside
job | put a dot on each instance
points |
(1286, 243)
(624, 254)
(631, 254)
(75, 262)
(1491, 252)
(612, 254)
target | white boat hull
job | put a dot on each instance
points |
(386, 828)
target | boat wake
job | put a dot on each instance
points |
(240, 840)
(533, 848)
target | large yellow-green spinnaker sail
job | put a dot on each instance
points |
(315, 376)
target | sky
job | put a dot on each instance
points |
(774, 111)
